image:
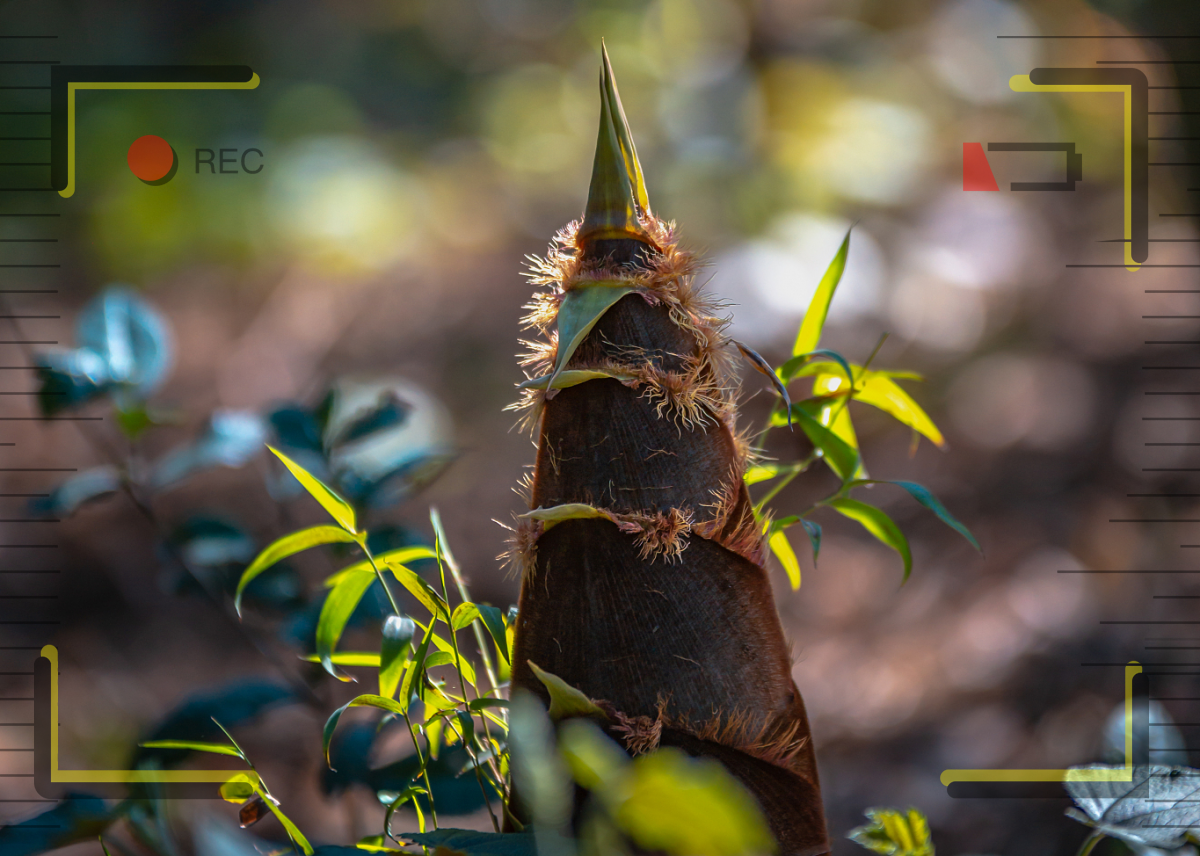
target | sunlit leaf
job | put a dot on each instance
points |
(335, 612)
(778, 542)
(892, 832)
(881, 391)
(818, 308)
(398, 632)
(463, 615)
(290, 828)
(687, 807)
(832, 412)
(421, 590)
(399, 556)
(193, 746)
(340, 510)
(924, 496)
(376, 701)
(879, 525)
(237, 789)
(286, 546)
(578, 313)
(594, 759)
(565, 700)
(445, 645)
(415, 670)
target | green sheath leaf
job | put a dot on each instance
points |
(565, 700)
(578, 313)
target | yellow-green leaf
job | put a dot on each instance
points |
(347, 658)
(783, 551)
(402, 556)
(339, 605)
(286, 546)
(194, 746)
(338, 508)
(881, 391)
(569, 378)
(878, 524)
(818, 308)
(421, 590)
(565, 700)
(568, 511)
(463, 615)
(894, 833)
(293, 832)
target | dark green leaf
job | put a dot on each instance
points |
(813, 530)
(79, 817)
(475, 843)
(493, 620)
(842, 458)
(924, 496)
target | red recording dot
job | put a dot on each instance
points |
(151, 158)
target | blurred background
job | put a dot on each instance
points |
(415, 152)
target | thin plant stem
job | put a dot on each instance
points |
(421, 758)
(1090, 843)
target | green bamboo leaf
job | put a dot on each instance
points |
(829, 408)
(347, 658)
(486, 701)
(398, 632)
(402, 556)
(879, 525)
(376, 701)
(286, 546)
(802, 365)
(925, 496)
(292, 830)
(813, 530)
(339, 604)
(818, 308)
(842, 458)
(761, 473)
(881, 391)
(463, 615)
(439, 658)
(894, 833)
(412, 674)
(578, 313)
(194, 746)
(778, 542)
(493, 620)
(421, 590)
(443, 645)
(340, 510)
(565, 700)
